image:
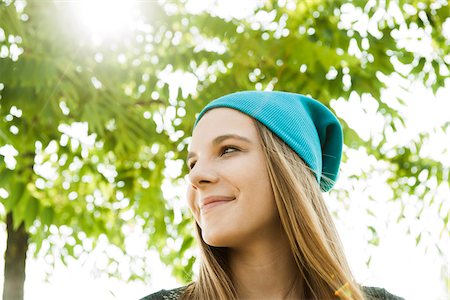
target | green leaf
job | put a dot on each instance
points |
(406, 57)
(5, 177)
(418, 238)
(187, 243)
(15, 194)
(17, 216)
(47, 215)
(31, 211)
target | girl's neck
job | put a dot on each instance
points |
(265, 271)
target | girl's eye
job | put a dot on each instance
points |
(228, 149)
(225, 150)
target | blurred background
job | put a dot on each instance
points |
(97, 104)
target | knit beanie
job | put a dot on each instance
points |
(304, 124)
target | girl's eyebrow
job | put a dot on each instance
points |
(222, 138)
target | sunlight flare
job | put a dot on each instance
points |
(107, 19)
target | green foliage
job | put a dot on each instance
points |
(137, 121)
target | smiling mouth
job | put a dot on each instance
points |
(205, 208)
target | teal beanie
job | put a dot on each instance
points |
(304, 124)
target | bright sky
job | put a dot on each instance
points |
(397, 264)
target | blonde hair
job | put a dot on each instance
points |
(312, 236)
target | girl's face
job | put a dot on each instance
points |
(230, 194)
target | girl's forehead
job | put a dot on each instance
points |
(221, 121)
(220, 124)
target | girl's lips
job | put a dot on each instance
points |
(213, 204)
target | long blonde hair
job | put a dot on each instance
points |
(312, 236)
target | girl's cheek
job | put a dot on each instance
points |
(190, 196)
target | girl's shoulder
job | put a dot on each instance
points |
(376, 293)
(166, 294)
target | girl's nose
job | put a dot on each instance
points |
(201, 175)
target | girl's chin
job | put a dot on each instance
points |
(216, 241)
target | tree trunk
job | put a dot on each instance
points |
(16, 251)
